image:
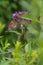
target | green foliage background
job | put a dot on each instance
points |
(29, 49)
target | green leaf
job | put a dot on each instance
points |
(40, 56)
(4, 63)
(2, 26)
(16, 32)
(40, 40)
(28, 48)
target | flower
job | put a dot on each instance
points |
(17, 17)
(20, 13)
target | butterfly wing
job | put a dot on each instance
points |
(12, 25)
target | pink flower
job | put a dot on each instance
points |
(17, 17)
(20, 13)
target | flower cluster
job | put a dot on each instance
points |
(20, 13)
(17, 17)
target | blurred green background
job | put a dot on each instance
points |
(8, 41)
(7, 7)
